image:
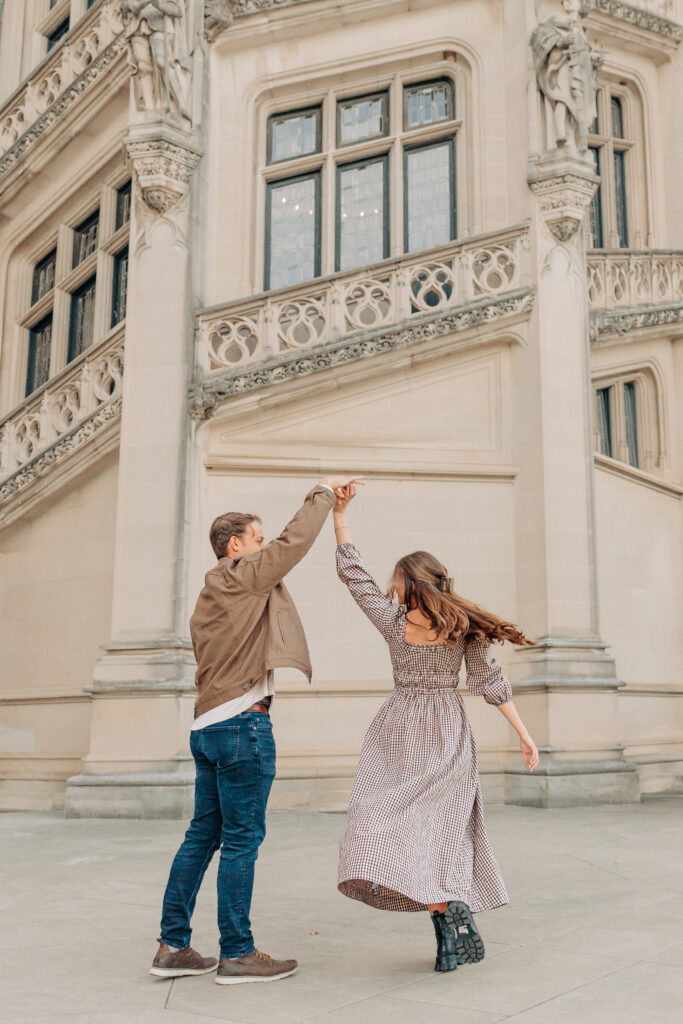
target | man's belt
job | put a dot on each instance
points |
(263, 708)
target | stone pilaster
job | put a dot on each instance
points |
(566, 686)
(142, 691)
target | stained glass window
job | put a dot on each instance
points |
(429, 196)
(620, 197)
(604, 421)
(44, 276)
(630, 413)
(39, 354)
(617, 111)
(119, 287)
(363, 118)
(85, 238)
(292, 135)
(82, 319)
(123, 195)
(595, 210)
(428, 103)
(362, 235)
(292, 231)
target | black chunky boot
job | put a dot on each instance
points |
(469, 945)
(446, 957)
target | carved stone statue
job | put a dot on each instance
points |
(158, 54)
(566, 72)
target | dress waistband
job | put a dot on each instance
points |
(426, 685)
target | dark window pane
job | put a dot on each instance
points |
(364, 118)
(123, 205)
(428, 103)
(39, 349)
(44, 276)
(85, 238)
(292, 231)
(604, 416)
(595, 211)
(429, 196)
(620, 198)
(630, 411)
(82, 319)
(362, 224)
(120, 287)
(292, 135)
(89, 4)
(57, 34)
(617, 118)
(53, 3)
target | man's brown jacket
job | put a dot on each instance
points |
(245, 621)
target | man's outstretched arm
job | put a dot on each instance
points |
(262, 570)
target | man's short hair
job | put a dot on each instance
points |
(231, 524)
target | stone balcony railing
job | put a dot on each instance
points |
(59, 80)
(350, 315)
(631, 288)
(61, 417)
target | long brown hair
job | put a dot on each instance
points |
(427, 587)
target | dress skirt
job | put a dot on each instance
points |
(415, 833)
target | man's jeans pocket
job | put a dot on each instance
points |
(220, 743)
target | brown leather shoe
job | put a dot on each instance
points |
(186, 961)
(254, 966)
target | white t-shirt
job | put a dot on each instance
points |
(231, 708)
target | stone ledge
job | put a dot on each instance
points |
(619, 322)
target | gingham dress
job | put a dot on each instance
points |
(415, 831)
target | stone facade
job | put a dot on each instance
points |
(511, 387)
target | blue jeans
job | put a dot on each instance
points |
(235, 763)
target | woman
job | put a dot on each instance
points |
(415, 836)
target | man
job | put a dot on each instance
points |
(245, 625)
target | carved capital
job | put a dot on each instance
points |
(218, 15)
(163, 161)
(564, 191)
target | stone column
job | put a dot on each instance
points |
(566, 686)
(139, 763)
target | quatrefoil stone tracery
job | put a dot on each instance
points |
(233, 342)
(368, 304)
(302, 323)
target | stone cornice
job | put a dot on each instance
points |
(206, 394)
(637, 16)
(619, 322)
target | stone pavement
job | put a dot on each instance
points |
(594, 932)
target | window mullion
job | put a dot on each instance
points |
(328, 186)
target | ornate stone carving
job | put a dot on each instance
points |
(207, 394)
(566, 75)
(564, 194)
(241, 7)
(218, 15)
(163, 164)
(159, 54)
(621, 322)
(638, 15)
